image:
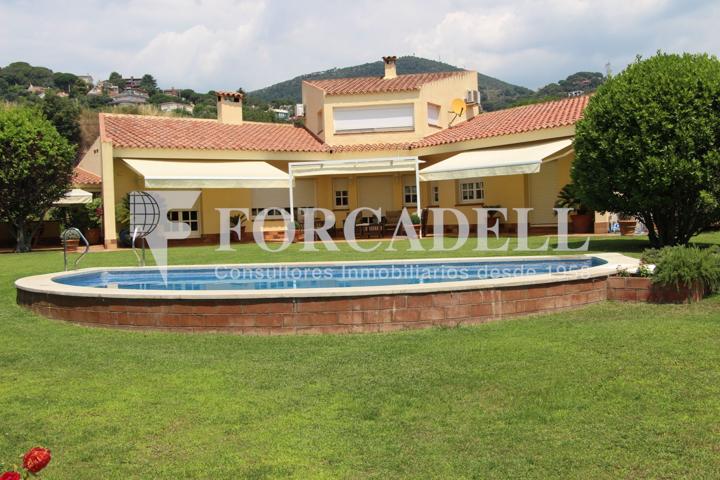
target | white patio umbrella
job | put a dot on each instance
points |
(74, 197)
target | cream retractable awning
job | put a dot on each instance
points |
(74, 197)
(208, 174)
(352, 167)
(511, 160)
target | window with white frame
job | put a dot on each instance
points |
(410, 195)
(379, 118)
(189, 217)
(341, 193)
(409, 190)
(434, 194)
(433, 112)
(471, 191)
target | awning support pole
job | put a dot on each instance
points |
(417, 193)
(290, 190)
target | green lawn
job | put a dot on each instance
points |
(609, 391)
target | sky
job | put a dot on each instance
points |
(227, 44)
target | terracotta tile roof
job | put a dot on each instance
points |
(401, 83)
(145, 131)
(83, 177)
(527, 118)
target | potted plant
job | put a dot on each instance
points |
(236, 220)
(494, 217)
(685, 274)
(417, 223)
(627, 224)
(581, 219)
(92, 230)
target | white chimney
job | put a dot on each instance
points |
(390, 67)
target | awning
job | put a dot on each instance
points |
(512, 160)
(74, 197)
(352, 167)
(208, 174)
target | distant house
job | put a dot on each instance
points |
(86, 78)
(281, 113)
(39, 91)
(132, 83)
(173, 92)
(131, 96)
(172, 106)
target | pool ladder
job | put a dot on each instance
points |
(79, 235)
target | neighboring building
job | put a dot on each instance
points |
(87, 79)
(173, 92)
(281, 113)
(130, 96)
(371, 132)
(172, 106)
(39, 91)
(132, 83)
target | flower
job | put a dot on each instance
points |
(36, 459)
(10, 476)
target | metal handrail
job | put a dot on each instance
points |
(63, 236)
(140, 258)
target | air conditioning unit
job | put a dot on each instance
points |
(299, 110)
(472, 97)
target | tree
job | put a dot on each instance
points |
(148, 83)
(648, 146)
(116, 79)
(36, 166)
(64, 114)
(64, 81)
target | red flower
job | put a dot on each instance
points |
(10, 476)
(36, 459)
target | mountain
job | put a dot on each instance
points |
(495, 93)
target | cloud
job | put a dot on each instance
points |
(206, 44)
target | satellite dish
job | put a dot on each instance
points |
(457, 106)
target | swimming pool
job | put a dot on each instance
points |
(327, 297)
(349, 275)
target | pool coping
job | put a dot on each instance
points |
(45, 283)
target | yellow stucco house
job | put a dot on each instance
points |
(382, 142)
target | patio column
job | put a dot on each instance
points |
(417, 193)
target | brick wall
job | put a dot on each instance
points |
(377, 313)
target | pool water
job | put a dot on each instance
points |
(274, 277)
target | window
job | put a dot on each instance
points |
(434, 195)
(189, 217)
(341, 196)
(382, 118)
(410, 195)
(472, 191)
(433, 114)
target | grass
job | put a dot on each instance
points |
(609, 391)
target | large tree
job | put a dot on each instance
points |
(36, 166)
(649, 146)
(64, 114)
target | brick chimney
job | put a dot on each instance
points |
(229, 107)
(390, 67)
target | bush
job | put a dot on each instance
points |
(684, 266)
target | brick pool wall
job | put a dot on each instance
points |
(376, 313)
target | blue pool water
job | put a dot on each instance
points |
(248, 277)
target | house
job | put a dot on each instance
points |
(130, 96)
(132, 82)
(88, 79)
(39, 91)
(281, 113)
(362, 144)
(172, 106)
(172, 92)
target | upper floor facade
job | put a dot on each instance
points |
(389, 109)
